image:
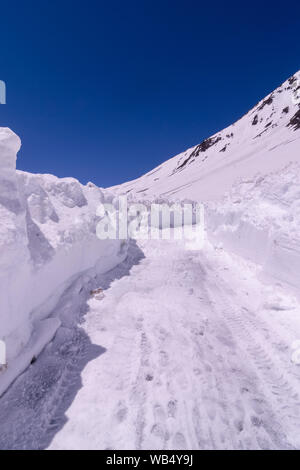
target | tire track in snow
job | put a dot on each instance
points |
(280, 389)
(185, 366)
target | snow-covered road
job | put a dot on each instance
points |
(181, 350)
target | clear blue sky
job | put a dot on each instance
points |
(106, 90)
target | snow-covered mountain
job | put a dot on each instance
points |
(265, 139)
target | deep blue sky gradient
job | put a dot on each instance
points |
(106, 90)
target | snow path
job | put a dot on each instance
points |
(183, 350)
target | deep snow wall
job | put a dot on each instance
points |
(47, 239)
(259, 219)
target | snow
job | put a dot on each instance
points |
(260, 220)
(42, 334)
(47, 239)
(206, 171)
(179, 351)
(210, 369)
(149, 344)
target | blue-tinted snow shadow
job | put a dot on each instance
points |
(33, 410)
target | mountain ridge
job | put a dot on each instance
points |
(267, 126)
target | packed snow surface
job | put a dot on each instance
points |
(178, 350)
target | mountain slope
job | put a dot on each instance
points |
(265, 139)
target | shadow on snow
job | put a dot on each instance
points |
(34, 408)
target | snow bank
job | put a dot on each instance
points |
(164, 214)
(260, 220)
(47, 239)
